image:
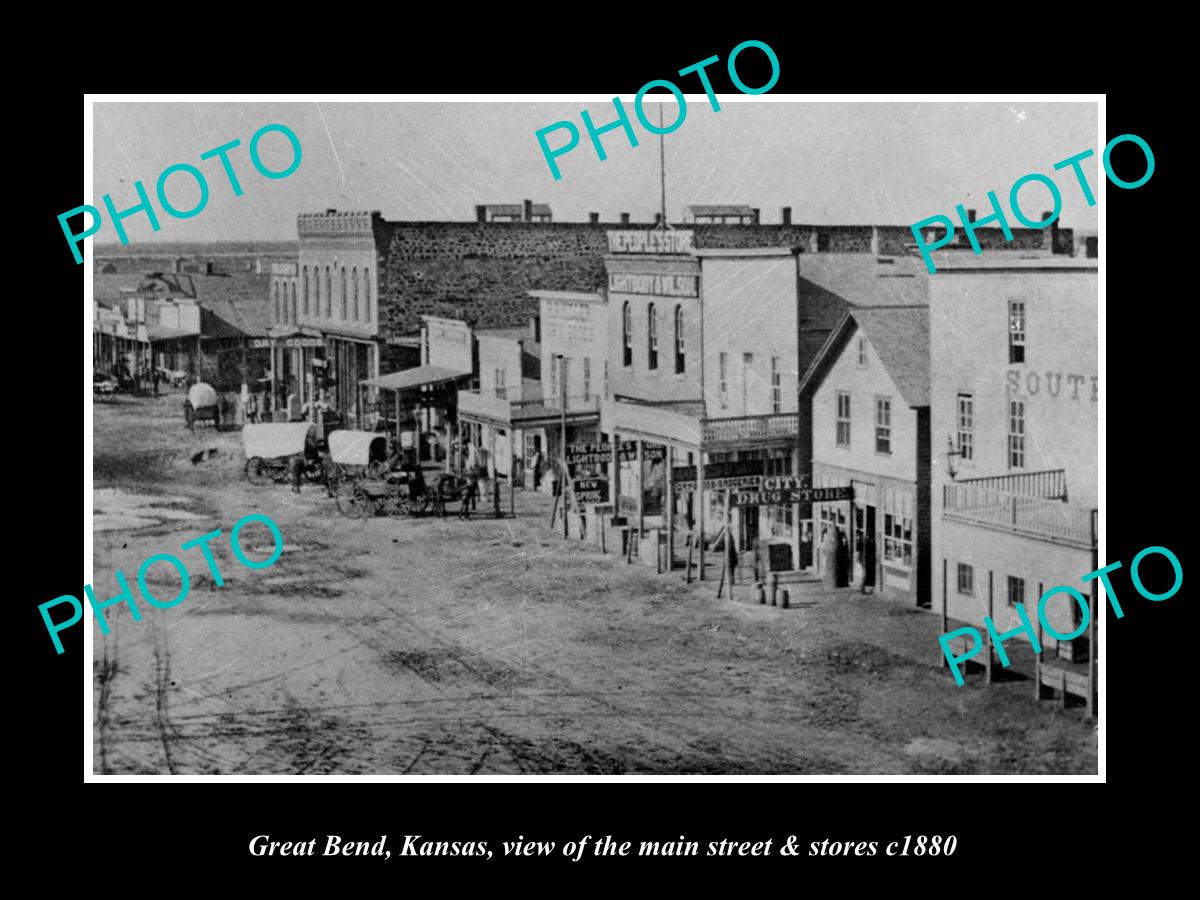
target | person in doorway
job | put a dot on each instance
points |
(868, 585)
(537, 470)
(843, 559)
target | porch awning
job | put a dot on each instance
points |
(414, 378)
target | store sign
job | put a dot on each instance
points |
(783, 496)
(590, 490)
(686, 475)
(597, 452)
(649, 241)
(658, 284)
(265, 343)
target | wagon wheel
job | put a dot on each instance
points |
(257, 472)
(396, 505)
(356, 504)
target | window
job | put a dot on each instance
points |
(552, 399)
(966, 426)
(342, 297)
(277, 310)
(328, 294)
(1016, 590)
(966, 579)
(354, 289)
(883, 425)
(1016, 434)
(723, 378)
(1016, 331)
(652, 338)
(627, 335)
(366, 296)
(304, 291)
(295, 308)
(587, 376)
(679, 355)
(862, 353)
(898, 527)
(776, 386)
(501, 387)
(843, 419)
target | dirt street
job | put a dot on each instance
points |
(439, 646)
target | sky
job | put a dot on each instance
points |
(832, 163)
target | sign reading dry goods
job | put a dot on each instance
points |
(261, 343)
(590, 490)
(781, 496)
(649, 241)
(596, 452)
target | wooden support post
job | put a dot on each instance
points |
(1037, 664)
(627, 530)
(730, 565)
(669, 461)
(553, 511)
(774, 579)
(1093, 606)
(992, 616)
(700, 502)
(603, 531)
(691, 545)
(641, 488)
(945, 618)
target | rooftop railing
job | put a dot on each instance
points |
(1036, 516)
(1050, 484)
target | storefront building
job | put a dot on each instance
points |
(1014, 390)
(869, 395)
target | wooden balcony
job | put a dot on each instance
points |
(780, 429)
(1038, 517)
(1050, 484)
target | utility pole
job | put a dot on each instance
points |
(562, 377)
(662, 165)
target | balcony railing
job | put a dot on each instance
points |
(1049, 485)
(739, 429)
(1037, 516)
(553, 406)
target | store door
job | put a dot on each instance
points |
(864, 545)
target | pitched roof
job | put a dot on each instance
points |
(861, 279)
(237, 303)
(900, 336)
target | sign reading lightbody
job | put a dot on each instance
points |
(998, 639)
(1045, 180)
(623, 117)
(597, 452)
(145, 206)
(98, 607)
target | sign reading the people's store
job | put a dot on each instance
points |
(596, 452)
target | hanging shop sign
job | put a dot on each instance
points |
(590, 490)
(685, 476)
(598, 452)
(657, 284)
(784, 496)
(265, 343)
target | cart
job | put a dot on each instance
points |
(354, 455)
(202, 403)
(271, 447)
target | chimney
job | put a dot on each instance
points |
(1049, 234)
(210, 267)
(787, 215)
(535, 328)
(330, 212)
(1093, 246)
(528, 211)
(594, 218)
(658, 219)
(480, 214)
(874, 240)
(970, 215)
(756, 215)
(624, 218)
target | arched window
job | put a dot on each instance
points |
(277, 319)
(295, 308)
(652, 338)
(328, 294)
(627, 335)
(304, 291)
(354, 288)
(366, 295)
(679, 357)
(342, 294)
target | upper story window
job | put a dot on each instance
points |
(501, 386)
(366, 295)
(966, 426)
(587, 376)
(328, 294)
(627, 335)
(883, 424)
(342, 296)
(843, 419)
(776, 386)
(1016, 331)
(723, 378)
(277, 310)
(1016, 434)
(652, 338)
(679, 355)
(354, 294)
(295, 308)
(862, 353)
(304, 291)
